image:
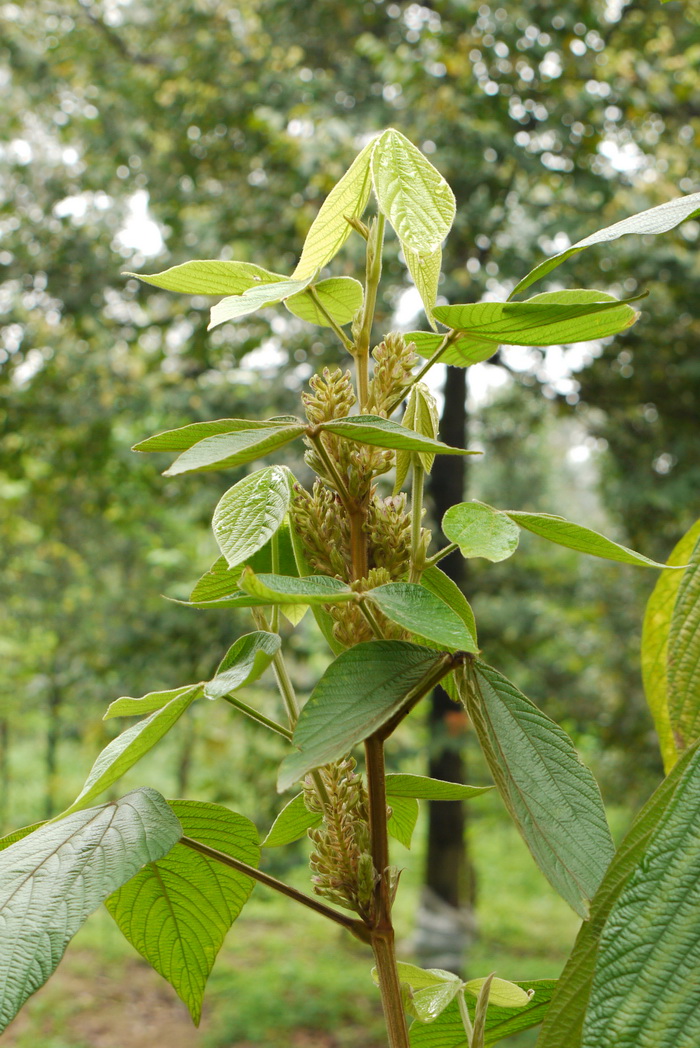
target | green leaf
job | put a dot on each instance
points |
(330, 229)
(280, 589)
(187, 436)
(359, 692)
(656, 220)
(541, 323)
(575, 536)
(418, 978)
(210, 276)
(255, 298)
(243, 663)
(176, 911)
(430, 990)
(292, 823)
(422, 613)
(129, 747)
(421, 416)
(481, 531)
(644, 990)
(226, 450)
(381, 433)
(553, 798)
(564, 1021)
(462, 353)
(250, 513)
(447, 1031)
(126, 706)
(403, 819)
(426, 789)
(684, 657)
(436, 581)
(52, 880)
(502, 993)
(425, 268)
(411, 193)
(657, 624)
(341, 297)
(222, 581)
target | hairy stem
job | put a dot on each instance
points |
(372, 278)
(465, 1017)
(358, 541)
(449, 339)
(286, 688)
(441, 553)
(259, 717)
(354, 926)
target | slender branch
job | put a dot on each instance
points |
(370, 619)
(354, 926)
(275, 556)
(284, 683)
(447, 663)
(333, 471)
(445, 552)
(417, 550)
(372, 278)
(259, 717)
(358, 540)
(449, 339)
(376, 797)
(466, 1018)
(331, 322)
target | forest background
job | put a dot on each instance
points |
(135, 136)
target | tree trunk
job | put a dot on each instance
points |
(445, 918)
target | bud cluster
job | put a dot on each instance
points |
(394, 362)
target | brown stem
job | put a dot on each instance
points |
(358, 542)
(357, 928)
(390, 989)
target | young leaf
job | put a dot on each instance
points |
(381, 433)
(575, 536)
(250, 512)
(404, 816)
(447, 1031)
(341, 297)
(502, 993)
(436, 581)
(330, 229)
(684, 657)
(411, 193)
(657, 624)
(52, 880)
(644, 990)
(481, 531)
(126, 706)
(426, 789)
(553, 798)
(564, 1020)
(421, 416)
(418, 978)
(422, 613)
(359, 692)
(177, 910)
(540, 323)
(425, 268)
(464, 352)
(656, 220)
(129, 747)
(255, 298)
(222, 581)
(243, 663)
(292, 823)
(226, 450)
(210, 276)
(187, 436)
(279, 589)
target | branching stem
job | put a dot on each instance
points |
(449, 339)
(259, 717)
(445, 552)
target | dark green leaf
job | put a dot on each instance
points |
(552, 797)
(540, 323)
(564, 1021)
(210, 276)
(52, 880)
(426, 789)
(359, 692)
(341, 297)
(575, 536)
(129, 747)
(657, 624)
(684, 657)
(447, 1031)
(422, 613)
(292, 823)
(481, 531)
(176, 911)
(644, 990)
(656, 220)
(250, 513)
(281, 589)
(222, 581)
(243, 663)
(436, 581)
(226, 450)
(381, 433)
